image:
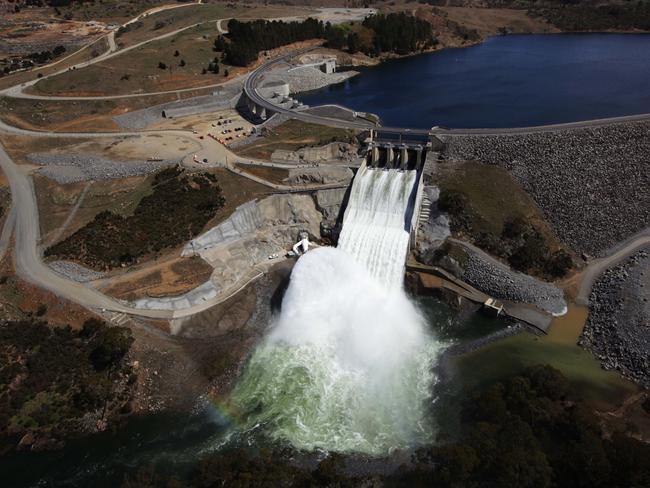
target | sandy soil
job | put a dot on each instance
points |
(165, 277)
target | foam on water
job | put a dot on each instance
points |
(375, 220)
(348, 364)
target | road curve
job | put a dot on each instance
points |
(28, 260)
(17, 91)
(616, 254)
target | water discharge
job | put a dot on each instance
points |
(348, 364)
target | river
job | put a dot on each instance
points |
(506, 81)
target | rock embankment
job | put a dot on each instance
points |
(618, 327)
(73, 168)
(592, 183)
(307, 78)
(499, 281)
(75, 271)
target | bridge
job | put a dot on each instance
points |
(264, 108)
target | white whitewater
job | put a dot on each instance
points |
(347, 366)
(374, 226)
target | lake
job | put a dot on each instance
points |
(507, 81)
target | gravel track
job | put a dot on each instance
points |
(592, 183)
(73, 168)
(618, 327)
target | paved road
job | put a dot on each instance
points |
(250, 89)
(28, 260)
(616, 254)
(540, 128)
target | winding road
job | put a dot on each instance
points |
(23, 217)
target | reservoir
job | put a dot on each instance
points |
(506, 81)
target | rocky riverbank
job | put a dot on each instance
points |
(618, 327)
(591, 183)
(501, 282)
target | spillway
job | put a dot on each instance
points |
(376, 223)
(347, 365)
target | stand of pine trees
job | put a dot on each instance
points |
(399, 33)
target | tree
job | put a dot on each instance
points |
(176, 53)
(162, 65)
(353, 42)
(111, 345)
(182, 63)
(219, 44)
(226, 73)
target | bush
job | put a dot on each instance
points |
(180, 205)
(559, 263)
(50, 381)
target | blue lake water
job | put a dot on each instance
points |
(507, 81)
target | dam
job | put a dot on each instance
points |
(348, 364)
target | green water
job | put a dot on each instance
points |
(513, 354)
(303, 396)
(174, 442)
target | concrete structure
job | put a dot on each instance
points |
(492, 307)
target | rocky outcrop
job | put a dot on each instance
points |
(618, 327)
(329, 202)
(287, 214)
(434, 229)
(325, 175)
(333, 152)
(591, 183)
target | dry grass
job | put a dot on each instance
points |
(83, 54)
(164, 278)
(56, 201)
(488, 21)
(71, 115)
(274, 175)
(237, 190)
(293, 135)
(495, 197)
(20, 299)
(137, 71)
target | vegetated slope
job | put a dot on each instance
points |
(489, 208)
(398, 33)
(574, 15)
(527, 430)
(56, 383)
(177, 210)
